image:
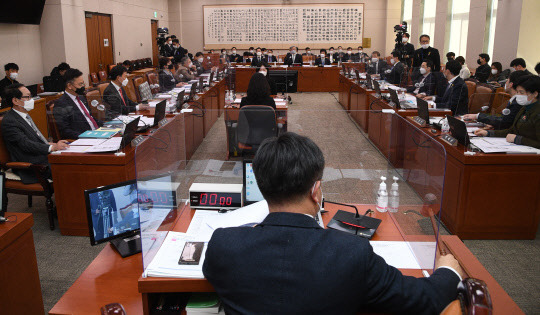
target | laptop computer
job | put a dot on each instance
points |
(180, 100)
(369, 83)
(129, 131)
(160, 112)
(395, 99)
(422, 107)
(458, 130)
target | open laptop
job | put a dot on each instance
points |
(180, 100)
(422, 107)
(129, 131)
(458, 130)
(160, 112)
(399, 104)
(369, 83)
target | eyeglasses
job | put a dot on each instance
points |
(26, 97)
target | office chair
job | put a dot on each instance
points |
(255, 123)
(482, 96)
(500, 100)
(51, 123)
(14, 185)
(102, 76)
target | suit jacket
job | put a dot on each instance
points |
(255, 62)
(396, 73)
(339, 56)
(289, 59)
(360, 57)
(69, 119)
(482, 73)
(235, 58)
(526, 126)
(431, 53)
(187, 74)
(116, 105)
(268, 101)
(456, 98)
(167, 81)
(271, 58)
(503, 121)
(428, 87)
(318, 61)
(347, 58)
(409, 51)
(178, 53)
(270, 267)
(377, 68)
(24, 145)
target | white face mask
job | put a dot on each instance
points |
(309, 51)
(425, 46)
(523, 100)
(259, 53)
(251, 51)
(125, 82)
(331, 51)
(322, 55)
(269, 54)
(263, 72)
(14, 75)
(392, 61)
(374, 59)
(423, 70)
(200, 59)
(340, 50)
(359, 51)
(29, 105)
(293, 52)
(208, 57)
(404, 39)
(322, 197)
(234, 51)
(349, 52)
(170, 43)
(493, 71)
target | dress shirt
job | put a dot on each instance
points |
(121, 95)
(423, 79)
(74, 99)
(24, 117)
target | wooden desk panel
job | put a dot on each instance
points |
(20, 288)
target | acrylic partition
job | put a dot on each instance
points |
(354, 164)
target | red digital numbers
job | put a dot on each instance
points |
(214, 200)
(155, 197)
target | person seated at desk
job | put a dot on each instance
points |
(360, 56)
(339, 55)
(450, 56)
(519, 64)
(395, 74)
(377, 66)
(273, 86)
(55, 82)
(526, 127)
(60, 70)
(331, 55)
(426, 84)
(340, 271)
(24, 141)
(12, 73)
(223, 57)
(322, 60)
(505, 120)
(235, 57)
(348, 57)
(258, 92)
(484, 70)
(198, 62)
(259, 59)
(186, 71)
(71, 111)
(464, 73)
(270, 56)
(167, 81)
(456, 95)
(116, 97)
(292, 57)
(497, 74)
(308, 52)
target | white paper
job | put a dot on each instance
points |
(76, 149)
(87, 142)
(498, 145)
(164, 96)
(198, 228)
(248, 215)
(396, 254)
(112, 144)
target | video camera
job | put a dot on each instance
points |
(162, 34)
(400, 47)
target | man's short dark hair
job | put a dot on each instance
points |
(424, 35)
(453, 66)
(126, 63)
(176, 41)
(63, 66)
(518, 62)
(286, 167)
(516, 76)
(11, 66)
(407, 35)
(396, 54)
(485, 56)
(331, 47)
(71, 74)
(163, 61)
(349, 48)
(322, 50)
(233, 47)
(537, 68)
(10, 92)
(117, 71)
(429, 64)
(376, 53)
(199, 54)
(450, 54)
(530, 83)
(308, 48)
(461, 60)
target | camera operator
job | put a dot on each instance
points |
(408, 48)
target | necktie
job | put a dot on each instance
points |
(36, 130)
(86, 113)
(122, 97)
(323, 61)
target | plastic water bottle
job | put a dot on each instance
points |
(393, 199)
(445, 127)
(382, 196)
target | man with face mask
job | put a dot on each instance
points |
(360, 56)
(168, 49)
(198, 62)
(395, 74)
(408, 48)
(426, 52)
(178, 51)
(259, 60)
(348, 57)
(484, 70)
(456, 94)
(116, 97)
(235, 56)
(289, 171)
(293, 57)
(71, 111)
(426, 84)
(185, 72)
(12, 73)
(270, 56)
(525, 129)
(322, 60)
(519, 64)
(508, 116)
(376, 66)
(167, 81)
(24, 141)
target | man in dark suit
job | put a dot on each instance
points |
(408, 48)
(12, 73)
(234, 56)
(71, 111)
(293, 57)
(426, 52)
(395, 74)
(115, 95)
(178, 51)
(377, 66)
(338, 56)
(259, 60)
(484, 70)
(518, 64)
(24, 141)
(360, 56)
(339, 270)
(348, 57)
(456, 95)
(322, 60)
(426, 84)
(270, 56)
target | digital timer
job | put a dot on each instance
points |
(215, 196)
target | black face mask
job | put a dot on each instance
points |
(479, 62)
(170, 67)
(80, 91)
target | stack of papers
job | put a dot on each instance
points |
(500, 145)
(93, 145)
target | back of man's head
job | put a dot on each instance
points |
(71, 74)
(287, 167)
(454, 67)
(518, 62)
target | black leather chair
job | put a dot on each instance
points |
(255, 123)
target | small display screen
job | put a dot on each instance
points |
(217, 200)
(253, 194)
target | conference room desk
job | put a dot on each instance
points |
(310, 78)
(20, 289)
(109, 278)
(143, 71)
(486, 196)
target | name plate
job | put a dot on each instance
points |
(419, 121)
(449, 139)
(135, 142)
(163, 122)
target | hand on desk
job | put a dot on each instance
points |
(60, 145)
(481, 132)
(449, 260)
(510, 137)
(181, 84)
(469, 117)
(143, 107)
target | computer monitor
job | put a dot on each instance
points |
(129, 131)
(201, 84)
(211, 79)
(458, 130)
(423, 109)
(394, 98)
(252, 193)
(113, 213)
(369, 81)
(180, 100)
(376, 87)
(2, 193)
(193, 91)
(159, 114)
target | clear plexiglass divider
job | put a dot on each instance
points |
(394, 149)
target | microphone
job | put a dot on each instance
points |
(94, 103)
(506, 112)
(484, 108)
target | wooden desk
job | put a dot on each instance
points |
(109, 278)
(310, 79)
(143, 71)
(20, 290)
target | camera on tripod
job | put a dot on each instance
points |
(399, 48)
(162, 35)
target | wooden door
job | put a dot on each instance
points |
(155, 50)
(100, 42)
